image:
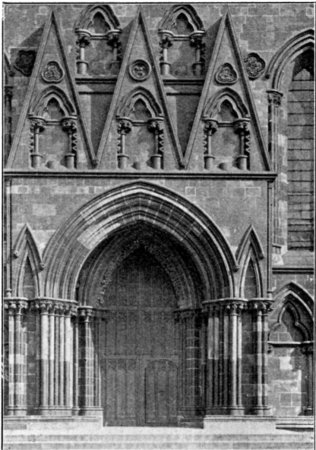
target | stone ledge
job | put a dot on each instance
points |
(240, 425)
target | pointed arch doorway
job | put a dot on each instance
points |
(137, 280)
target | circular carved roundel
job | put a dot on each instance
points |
(52, 72)
(139, 70)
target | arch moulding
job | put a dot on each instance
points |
(129, 204)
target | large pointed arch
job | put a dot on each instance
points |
(25, 252)
(287, 53)
(127, 205)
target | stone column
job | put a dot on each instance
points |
(165, 43)
(274, 103)
(156, 126)
(44, 307)
(196, 41)
(88, 398)
(38, 125)
(16, 308)
(83, 41)
(224, 372)
(123, 128)
(51, 318)
(308, 351)
(234, 308)
(75, 409)
(68, 361)
(210, 128)
(190, 402)
(241, 127)
(260, 309)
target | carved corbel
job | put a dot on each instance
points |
(210, 127)
(84, 39)
(124, 127)
(69, 124)
(241, 127)
(166, 41)
(156, 126)
(37, 125)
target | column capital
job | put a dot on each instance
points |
(166, 39)
(69, 124)
(242, 125)
(84, 37)
(211, 126)
(37, 123)
(260, 304)
(274, 97)
(16, 305)
(196, 38)
(124, 125)
(156, 125)
(307, 348)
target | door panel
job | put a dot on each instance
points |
(141, 354)
(161, 392)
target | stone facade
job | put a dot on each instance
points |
(158, 216)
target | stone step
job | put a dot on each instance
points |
(228, 445)
(93, 444)
(201, 437)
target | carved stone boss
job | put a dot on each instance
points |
(226, 74)
(255, 65)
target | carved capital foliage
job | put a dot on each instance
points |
(16, 306)
(52, 306)
(262, 305)
(166, 40)
(211, 126)
(255, 65)
(86, 313)
(274, 97)
(124, 126)
(226, 74)
(187, 314)
(241, 126)
(37, 124)
(156, 126)
(307, 349)
(69, 124)
(84, 38)
(196, 39)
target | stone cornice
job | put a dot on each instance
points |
(220, 175)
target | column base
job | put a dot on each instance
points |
(16, 411)
(235, 410)
(262, 411)
(56, 411)
(95, 411)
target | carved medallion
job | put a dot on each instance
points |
(254, 65)
(139, 70)
(52, 72)
(226, 74)
(24, 61)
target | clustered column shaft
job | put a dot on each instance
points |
(16, 308)
(260, 331)
(224, 381)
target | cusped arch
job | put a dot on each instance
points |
(286, 54)
(213, 105)
(126, 108)
(168, 21)
(26, 248)
(52, 92)
(299, 303)
(85, 20)
(125, 206)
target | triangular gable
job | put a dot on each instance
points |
(51, 50)
(138, 48)
(226, 56)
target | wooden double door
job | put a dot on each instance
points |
(141, 357)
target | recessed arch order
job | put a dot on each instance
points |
(127, 205)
